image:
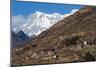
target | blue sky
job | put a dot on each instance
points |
(26, 8)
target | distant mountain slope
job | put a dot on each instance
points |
(19, 39)
(72, 39)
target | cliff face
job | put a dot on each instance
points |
(73, 39)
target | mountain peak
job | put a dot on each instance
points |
(38, 22)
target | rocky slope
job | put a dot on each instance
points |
(73, 39)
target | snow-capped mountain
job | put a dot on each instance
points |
(40, 21)
(35, 23)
